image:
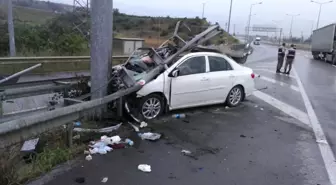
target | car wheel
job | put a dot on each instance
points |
(151, 106)
(235, 96)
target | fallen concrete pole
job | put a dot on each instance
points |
(18, 74)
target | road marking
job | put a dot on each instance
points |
(326, 152)
(290, 110)
(293, 87)
(273, 72)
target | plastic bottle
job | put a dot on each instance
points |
(178, 116)
(129, 142)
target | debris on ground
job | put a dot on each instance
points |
(102, 147)
(256, 106)
(226, 107)
(101, 130)
(135, 127)
(80, 180)
(143, 124)
(186, 152)
(86, 152)
(104, 180)
(77, 123)
(118, 146)
(144, 168)
(261, 108)
(76, 137)
(88, 157)
(30, 145)
(149, 136)
(178, 116)
(243, 136)
(129, 142)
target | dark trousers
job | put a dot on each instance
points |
(280, 62)
(289, 63)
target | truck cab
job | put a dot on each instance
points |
(256, 41)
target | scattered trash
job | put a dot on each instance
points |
(104, 180)
(261, 108)
(88, 157)
(178, 116)
(102, 147)
(185, 121)
(80, 180)
(186, 152)
(135, 127)
(275, 130)
(226, 107)
(256, 106)
(242, 136)
(129, 142)
(144, 168)
(29, 145)
(76, 137)
(86, 152)
(118, 146)
(77, 123)
(143, 124)
(102, 130)
(150, 136)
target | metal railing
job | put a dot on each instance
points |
(12, 65)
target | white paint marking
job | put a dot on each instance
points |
(273, 72)
(291, 111)
(293, 87)
(326, 152)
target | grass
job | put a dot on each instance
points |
(14, 170)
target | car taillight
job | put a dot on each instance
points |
(252, 75)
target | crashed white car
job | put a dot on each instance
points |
(196, 79)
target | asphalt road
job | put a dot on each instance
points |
(272, 138)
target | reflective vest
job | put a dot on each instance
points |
(281, 51)
(291, 53)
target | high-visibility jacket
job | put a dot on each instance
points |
(281, 51)
(291, 53)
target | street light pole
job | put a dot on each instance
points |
(249, 21)
(291, 26)
(228, 30)
(318, 18)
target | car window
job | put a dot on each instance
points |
(193, 65)
(218, 64)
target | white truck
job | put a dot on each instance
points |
(323, 44)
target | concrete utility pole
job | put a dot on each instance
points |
(203, 11)
(101, 48)
(249, 21)
(10, 23)
(291, 25)
(228, 30)
(319, 3)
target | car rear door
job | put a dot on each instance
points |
(190, 87)
(221, 76)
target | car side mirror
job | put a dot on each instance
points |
(174, 73)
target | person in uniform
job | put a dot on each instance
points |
(281, 57)
(290, 58)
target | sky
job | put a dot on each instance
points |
(269, 13)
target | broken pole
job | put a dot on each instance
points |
(101, 49)
(10, 23)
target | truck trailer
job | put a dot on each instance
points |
(323, 44)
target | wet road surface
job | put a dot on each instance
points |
(269, 139)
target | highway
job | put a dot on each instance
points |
(284, 134)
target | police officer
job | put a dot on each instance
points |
(281, 56)
(290, 58)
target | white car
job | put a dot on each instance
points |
(197, 79)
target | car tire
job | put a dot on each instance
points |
(235, 96)
(154, 104)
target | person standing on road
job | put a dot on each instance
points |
(281, 57)
(290, 58)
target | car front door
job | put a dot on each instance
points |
(221, 77)
(190, 87)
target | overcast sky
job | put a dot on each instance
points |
(218, 11)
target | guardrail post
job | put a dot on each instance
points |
(69, 134)
(120, 107)
(1, 108)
